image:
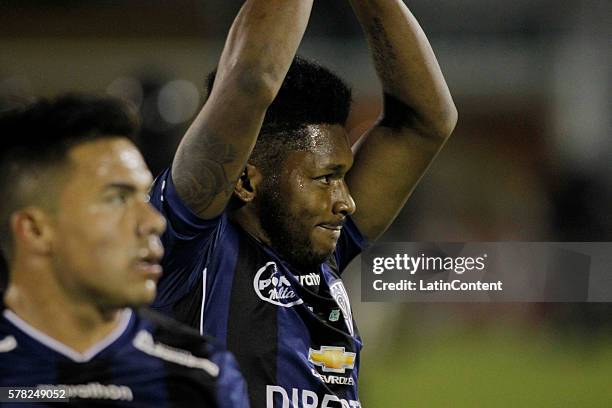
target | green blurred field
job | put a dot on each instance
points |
(504, 368)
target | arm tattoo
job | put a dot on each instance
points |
(397, 114)
(383, 53)
(206, 178)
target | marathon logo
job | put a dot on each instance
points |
(94, 390)
(332, 359)
(304, 399)
(144, 342)
(271, 286)
(312, 279)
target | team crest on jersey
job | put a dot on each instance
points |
(272, 287)
(339, 293)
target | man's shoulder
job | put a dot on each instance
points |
(183, 223)
(170, 340)
(175, 334)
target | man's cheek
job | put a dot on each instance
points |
(110, 240)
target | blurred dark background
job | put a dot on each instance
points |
(530, 160)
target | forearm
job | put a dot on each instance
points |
(261, 45)
(258, 52)
(416, 94)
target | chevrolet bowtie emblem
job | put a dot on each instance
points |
(332, 359)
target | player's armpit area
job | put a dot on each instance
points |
(397, 114)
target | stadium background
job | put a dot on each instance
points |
(529, 161)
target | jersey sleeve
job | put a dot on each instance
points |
(188, 242)
(350, 244)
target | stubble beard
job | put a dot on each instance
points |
(279, 224)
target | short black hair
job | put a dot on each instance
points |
(310, 95)
(35, 139)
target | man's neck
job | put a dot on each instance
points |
(248, 221)
(76, 324)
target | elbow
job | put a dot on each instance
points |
(257, 83)
(433, 123)
(444, 125)
(440, 125)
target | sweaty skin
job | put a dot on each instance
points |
(300, 214)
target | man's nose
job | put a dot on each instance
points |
(343, 201)
(152, 222)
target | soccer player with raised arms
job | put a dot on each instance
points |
(82, 244)
(266, 203)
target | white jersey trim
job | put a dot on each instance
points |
(60, 347)
(204, 273)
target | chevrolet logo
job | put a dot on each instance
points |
(332, 359)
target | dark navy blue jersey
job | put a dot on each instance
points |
(148, 361)
(292, 332)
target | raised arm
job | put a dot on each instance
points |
(418, 115)
(258, 52)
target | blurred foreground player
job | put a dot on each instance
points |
(82, 242)
(261, 222)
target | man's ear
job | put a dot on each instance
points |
(249, 181)
(32, 230)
